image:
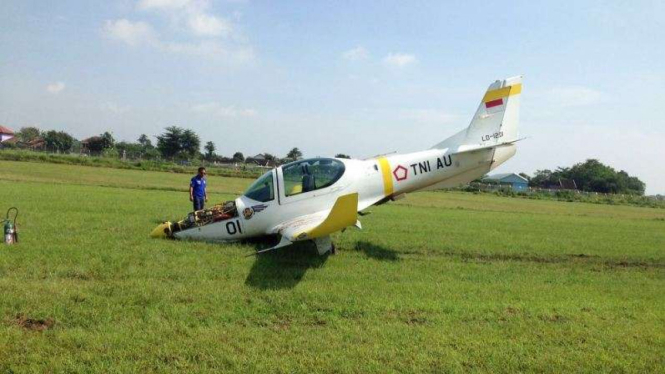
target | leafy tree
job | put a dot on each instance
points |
(76, 147)
(176, 142)
(342, 155)
(238, 157)
(294, 154)
(58, 141)
(269, 157)
(95, 145)
(107, 140)
(190, 144)
(26, 134)
(151, 154)
(210, 151)
(145, 142)
(98, 144)
(130, 150)
(169, 143)
(592, 176)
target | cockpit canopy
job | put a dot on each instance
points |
(310, 175)
(262, 189)
(298, 177)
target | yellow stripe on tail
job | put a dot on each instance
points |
(515, 89)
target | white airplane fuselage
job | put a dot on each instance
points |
(310, 199)
(375, 181)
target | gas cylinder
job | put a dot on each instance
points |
(9, 232)
(10, 236)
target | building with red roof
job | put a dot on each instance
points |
(5, 133)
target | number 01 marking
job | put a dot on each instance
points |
(233, 227)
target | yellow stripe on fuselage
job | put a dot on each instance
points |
(387, 176)
(502, 92)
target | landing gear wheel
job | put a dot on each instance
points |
(332, 249)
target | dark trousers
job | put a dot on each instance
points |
(199, 202)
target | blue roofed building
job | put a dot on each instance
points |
(515, 181)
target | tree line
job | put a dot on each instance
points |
(174, 144)
(590, 176)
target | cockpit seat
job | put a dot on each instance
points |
(308, 183)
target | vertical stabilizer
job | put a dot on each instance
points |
(495, 120)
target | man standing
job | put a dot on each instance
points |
(197, 189)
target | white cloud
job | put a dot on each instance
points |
(218, 110)
(163, 4)
(400, 59)
(193, 14)
(221, 41)
(131, 33)
(573, 96)
(206, 25)
(55, 88)
(356, 54)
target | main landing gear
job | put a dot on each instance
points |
(324, 244)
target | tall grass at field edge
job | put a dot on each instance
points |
(147, 165)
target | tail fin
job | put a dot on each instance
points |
(495, 120)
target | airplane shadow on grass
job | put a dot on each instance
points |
(284, 267)
(376, 251)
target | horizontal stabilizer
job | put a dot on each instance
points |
(484, 147)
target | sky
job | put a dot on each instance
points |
(355, 77)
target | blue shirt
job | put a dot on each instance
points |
(199, 185)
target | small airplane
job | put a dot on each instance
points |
(311, 199)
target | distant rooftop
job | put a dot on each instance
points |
(6, 130)
(498, 177)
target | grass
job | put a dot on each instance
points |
(247, 171)
(578, 196)
(438, 282)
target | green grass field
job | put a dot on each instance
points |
(437, 282)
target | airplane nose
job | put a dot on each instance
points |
(162, 231)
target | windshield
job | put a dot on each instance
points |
(262, 189)
(309, 175)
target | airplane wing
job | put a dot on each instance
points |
(320, 224)
(311, 226)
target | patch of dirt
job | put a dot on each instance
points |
(414, 318)
(184, 299)
(78, 275)
(572, 258)
(78, 298)
(316, 322)
(33, 324)
(552, 318)
(281, 325)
